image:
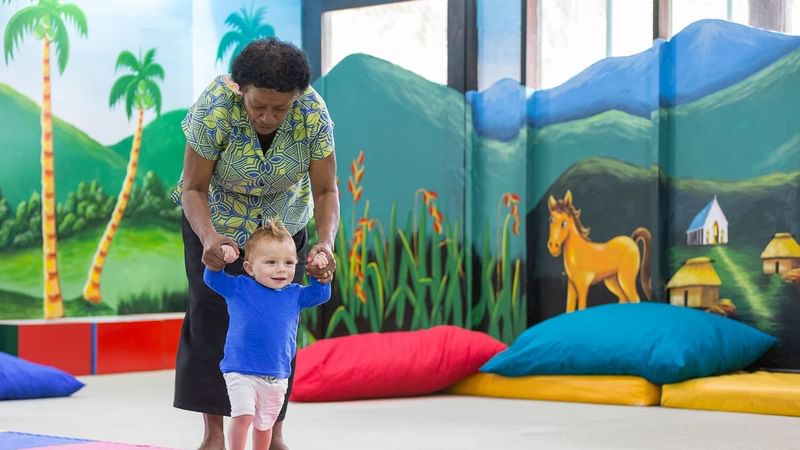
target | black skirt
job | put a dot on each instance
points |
(199, 385)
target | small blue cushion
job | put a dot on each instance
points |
(662, 343)
(21, 379)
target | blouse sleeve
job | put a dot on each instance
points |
(322, 143)
(207, 122)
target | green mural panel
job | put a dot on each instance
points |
(9, 339)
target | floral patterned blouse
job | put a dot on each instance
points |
(249, 185)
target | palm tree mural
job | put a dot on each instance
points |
(141, 91)
(47, 20)
(247, 27)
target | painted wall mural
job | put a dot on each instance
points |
(90, 229)
(693, 143)
(617, 263)
(406, 259)
(671, 175)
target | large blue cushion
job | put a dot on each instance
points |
(662, 343)
(23, 379)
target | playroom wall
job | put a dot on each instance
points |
(690, 137)
(93, 137)
(427, 203)
(444, 191)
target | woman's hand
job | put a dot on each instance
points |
(321, 261)
(324, 273)
(214, 254)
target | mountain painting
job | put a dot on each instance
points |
(706, 121)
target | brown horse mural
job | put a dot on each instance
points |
(586, 263)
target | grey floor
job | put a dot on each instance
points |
(135, 409)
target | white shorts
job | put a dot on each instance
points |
(258, 396)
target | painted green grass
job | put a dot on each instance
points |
(16, 305)
(144, 258)
(415, 279)
(19, 306)
(757, 297)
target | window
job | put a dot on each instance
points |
(411, 34)
(777, 15)
(499, 43)
(630, 31)
(793, 17)
(565, 37)
(433, 38)
(685, 12)
(574, 34)
(572, 38)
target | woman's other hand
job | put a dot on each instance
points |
(324, 272)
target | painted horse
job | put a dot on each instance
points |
(587, 263)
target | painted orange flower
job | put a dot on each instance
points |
(509, 198)
(428, 196)
(511, 202)
(367, 222)
(357, 173)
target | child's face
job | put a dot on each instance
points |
(272, 263)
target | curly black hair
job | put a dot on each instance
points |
(272, 64)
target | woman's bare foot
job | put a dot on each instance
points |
(212, 444)
(214, 436)
(278, 445)
(277, 437)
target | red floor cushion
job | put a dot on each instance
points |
(394, 364)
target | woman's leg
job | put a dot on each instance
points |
(237, 432)
(199, 385)
(213, 434)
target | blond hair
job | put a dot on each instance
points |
(272, 231)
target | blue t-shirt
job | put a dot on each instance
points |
(262, 332)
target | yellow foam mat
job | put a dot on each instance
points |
(614, 390)
(759, 392)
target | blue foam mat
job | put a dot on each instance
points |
(10, 440)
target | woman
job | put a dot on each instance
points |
(259, 145)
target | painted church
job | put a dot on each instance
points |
(709, 226)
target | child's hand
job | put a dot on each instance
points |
(321, 261)
(230, 254)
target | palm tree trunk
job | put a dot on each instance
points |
(91, 291)
(53, 301)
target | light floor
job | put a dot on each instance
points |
(136, 409)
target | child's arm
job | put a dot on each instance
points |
(314, 294)
(220, 282)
